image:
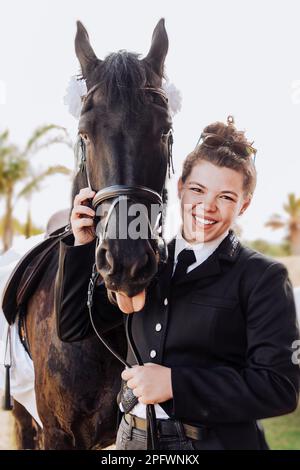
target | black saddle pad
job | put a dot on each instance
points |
(25, 276)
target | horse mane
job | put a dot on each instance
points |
(122, 75)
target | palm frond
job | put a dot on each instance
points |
(13, 168)
(58, 139)
(34, 145)
(4, 136)
(19, 227)
(275, 222)
(34, 183)
(292, 207)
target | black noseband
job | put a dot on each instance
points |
(137, 194)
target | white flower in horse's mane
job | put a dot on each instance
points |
(77, 89)
(73, 97)
(174, 96)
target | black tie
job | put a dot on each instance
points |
(184, 260)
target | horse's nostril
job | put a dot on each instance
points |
(115, 266)
(105, 260)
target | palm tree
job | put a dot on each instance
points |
(33, 185)
(13, 168)
(19, 227)
(291, 222)
(16, 166)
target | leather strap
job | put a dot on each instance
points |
(168, 427)
(11, 294)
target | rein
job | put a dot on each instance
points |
(116, 193)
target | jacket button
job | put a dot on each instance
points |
(166, 301)
(152, 353)
(158, 327)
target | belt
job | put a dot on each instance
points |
(168, 427)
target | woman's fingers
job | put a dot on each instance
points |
(131, 383)
(83, 195)
(137, 392)
(129, 372)
(80, 223)
(77, 211)
(82, 217)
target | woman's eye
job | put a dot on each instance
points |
(197, 190)
(228, 198)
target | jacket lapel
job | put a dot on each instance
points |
(209, 267)
(164, 276)
(227, 250)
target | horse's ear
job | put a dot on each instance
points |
(159, 48)
(84, 51)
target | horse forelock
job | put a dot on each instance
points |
(122, 77)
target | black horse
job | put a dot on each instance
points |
(125, 128)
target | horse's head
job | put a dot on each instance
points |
(125, 127)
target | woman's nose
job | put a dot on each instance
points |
(209, 204)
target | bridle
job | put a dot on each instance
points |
(116, 194)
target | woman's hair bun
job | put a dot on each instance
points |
(227, 131)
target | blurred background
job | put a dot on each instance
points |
(239, 58)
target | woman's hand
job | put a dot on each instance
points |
(151, 383)
(82, 218)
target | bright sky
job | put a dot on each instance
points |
(233, 57)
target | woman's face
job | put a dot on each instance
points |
(211, 199)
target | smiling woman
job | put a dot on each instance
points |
(216, 331)
(217, 182)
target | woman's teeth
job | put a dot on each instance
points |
(204, 221)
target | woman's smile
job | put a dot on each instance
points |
(204, 222)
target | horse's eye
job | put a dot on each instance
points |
(84, 136)
(165, 132)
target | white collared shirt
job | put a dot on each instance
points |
(202, 252)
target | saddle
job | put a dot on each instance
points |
(25, 277)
